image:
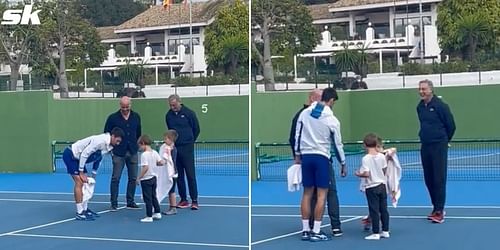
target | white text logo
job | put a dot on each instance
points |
(23, 17)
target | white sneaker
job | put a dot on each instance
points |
(373, 237)
(157, 216)
(147, 219)
(385, 234)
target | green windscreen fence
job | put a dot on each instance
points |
(468, 160)
(212, 158)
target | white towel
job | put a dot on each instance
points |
(165, 174)
(88, 189)
(294, 177)
(393, 174)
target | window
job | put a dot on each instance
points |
(174, 43)
(400, 25)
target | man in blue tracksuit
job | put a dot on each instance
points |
(184, 121)
(437, 127)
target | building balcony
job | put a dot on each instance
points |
(146, 60)
(368, 44)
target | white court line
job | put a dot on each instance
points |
(107, 202)
(107, 194)
(298, 232)
(48, 224)
(365, 206)
(392, 216)
(131, 241)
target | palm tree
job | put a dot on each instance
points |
(235, 52)
(352, 59)
(473, 31)
(128, 73)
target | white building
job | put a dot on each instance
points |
(390, 28)
(159, 38)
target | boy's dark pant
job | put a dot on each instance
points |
(377, 205)
(149, 195)
(185, 167)
(332, 203)
(435, 164)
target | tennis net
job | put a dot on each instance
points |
(467, 160)
(220, 158)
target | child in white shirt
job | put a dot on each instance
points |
(149, 159)
(168, 152)
(372, 171)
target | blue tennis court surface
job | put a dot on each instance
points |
(472, 221)
(37, 212)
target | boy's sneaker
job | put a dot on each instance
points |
(157, 216)
(373, 237)
(385, 234)
(318, 236)
(113, 208)
(170, 211)
(438, 217)
(133, 206)
(366, 222)
(306, 235)
(147, 219)
(337, 232)
(183, 204)
(429, 217)
(194, 205)
(82, 216)
(92, 213)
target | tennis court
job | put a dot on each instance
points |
(38, 209)
(473, 203)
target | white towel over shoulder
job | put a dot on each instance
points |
(294, 177)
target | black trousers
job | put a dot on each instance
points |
(435, 164)
(377, 206)
(149, 195)
(332, 201)
(186, 169)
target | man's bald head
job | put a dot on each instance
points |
(125, 105)
(314, 96)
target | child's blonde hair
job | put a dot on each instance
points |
(171, 134)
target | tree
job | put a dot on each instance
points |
(454, 13)
(15, 46)
(110, 12)
(279, 26)
(65, 39)
(473, 31)
(352, 59)
(226, 39)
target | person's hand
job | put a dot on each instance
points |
(297, 159)
(357, 173)
(138, 182)
(83, 177)
(343, 170)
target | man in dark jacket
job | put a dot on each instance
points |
(184, 121)
(437, 127)
(332, 197)
(125, 153)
